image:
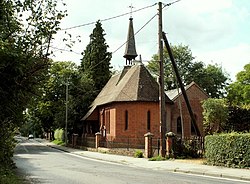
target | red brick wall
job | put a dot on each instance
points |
(137, 116)
(137, 119)
(195, 96)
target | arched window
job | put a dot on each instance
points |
(126, 120)
(148, 120)
(179, 126)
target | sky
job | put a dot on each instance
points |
(216, 31)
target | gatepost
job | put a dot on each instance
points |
(74, 140)
(97, 139)
(169, 143)
(148, 144)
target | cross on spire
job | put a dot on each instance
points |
(131, 9)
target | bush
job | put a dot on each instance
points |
(59, 134)
(230, 150)
(59, 142)
(9, 177)
(138, 154)
(185, 148)
(158, 158)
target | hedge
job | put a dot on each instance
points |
(230, 150)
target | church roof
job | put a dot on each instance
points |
(175, 93)
(134, 83)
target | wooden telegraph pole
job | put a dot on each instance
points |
(161, 87)
(66, 113)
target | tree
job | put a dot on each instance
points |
(211, 78)
(82, 91)
(239, 91)
(26, 30)
(48, 110)
(215, 112)
(238, 119)
(96, 59)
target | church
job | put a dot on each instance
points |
(128, 105)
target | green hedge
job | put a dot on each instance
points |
(230, 150)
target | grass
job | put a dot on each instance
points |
(59, 142)
(157, 158)
(138, 154)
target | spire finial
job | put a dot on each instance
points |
(131, 10)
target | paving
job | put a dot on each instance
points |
(167, 165)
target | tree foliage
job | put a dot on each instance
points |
(48, 110)
(239, 91)
(211, 78)
(96, 59)
(238, 119)
(26, 30)
(215, 112)
(47, 113)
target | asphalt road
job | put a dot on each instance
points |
(42, 164)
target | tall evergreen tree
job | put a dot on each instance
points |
(96, 59)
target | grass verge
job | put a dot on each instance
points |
(59, 142)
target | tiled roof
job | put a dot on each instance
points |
(135, 83)
(174, 93)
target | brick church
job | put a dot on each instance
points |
(128, 105)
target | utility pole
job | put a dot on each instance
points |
(162, 100)
(66, 112)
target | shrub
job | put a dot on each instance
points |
(230, 150)
(157, 158)
(138, 154)
(59, 134)
(185, 148)
(59, 142)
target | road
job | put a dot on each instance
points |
(42, 164)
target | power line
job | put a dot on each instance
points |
(65, 50)
(169, 4)
(165, 5)
(136, 32)
(110, 18)
(118, 47)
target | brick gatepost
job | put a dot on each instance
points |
(97, 139)
(169, 144)
(148, 145)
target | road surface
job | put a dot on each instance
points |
(42, 164)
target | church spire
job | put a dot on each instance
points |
(130, 51)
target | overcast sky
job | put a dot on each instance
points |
(217, 31)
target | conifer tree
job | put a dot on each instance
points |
(96, 59)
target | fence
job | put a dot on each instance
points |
(189, 146)
(77, 142)
(131, 143)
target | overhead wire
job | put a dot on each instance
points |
(165, 5)
(110, 18)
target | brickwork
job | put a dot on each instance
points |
(122, 121)
(137, 119)
(196, 96)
